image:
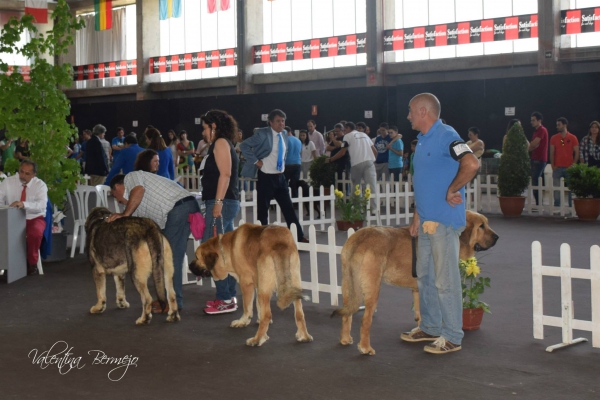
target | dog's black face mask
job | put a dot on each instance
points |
(204, 271)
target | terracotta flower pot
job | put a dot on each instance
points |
(472, 318)
(587, 209)
(512, 206)
(345, 225)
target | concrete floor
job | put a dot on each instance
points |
(201, 357)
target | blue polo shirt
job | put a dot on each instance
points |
(396, 161)
(294, 149)
(116, 141)
(435, 169)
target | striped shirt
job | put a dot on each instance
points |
(160, 195)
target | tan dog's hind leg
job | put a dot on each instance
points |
(265, 318)
(100, 281)
(302, 334)
(258, 312)
(120, 284)
(248, 303)
(417, 306)
(140, 279)
(345, 337)
(371, 298)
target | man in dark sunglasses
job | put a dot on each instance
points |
(564, 152)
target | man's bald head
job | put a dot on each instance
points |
(429, 102)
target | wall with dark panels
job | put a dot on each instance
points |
(481, 103)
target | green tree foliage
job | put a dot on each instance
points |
(38, 110)
(514, 170)
(584, 181)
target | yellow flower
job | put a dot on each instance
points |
(367, 195)
(368, 192)
(473, 269)
(357, 192)
(338, 193)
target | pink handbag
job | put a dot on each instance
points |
(197, 225)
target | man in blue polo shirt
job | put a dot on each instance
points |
(118, 144)
(293, 161)
(444, 164)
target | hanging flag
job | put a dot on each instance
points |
(38, 9)
(225, 5)
(212, 6)
(103, 9)
(169, 9)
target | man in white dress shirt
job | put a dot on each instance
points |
(316, 137)
(28, 192)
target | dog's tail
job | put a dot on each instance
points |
(158, 270)
(351, 287)
(288, 286)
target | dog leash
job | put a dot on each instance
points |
(215, 233)
(414, 256)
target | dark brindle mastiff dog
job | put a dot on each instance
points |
(261, 257)
(378, 254)
(134, 245)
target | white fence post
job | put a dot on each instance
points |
(567, 320)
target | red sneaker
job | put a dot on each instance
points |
(220, 307)
(211, 303)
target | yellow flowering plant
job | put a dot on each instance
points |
(472, 286)
(355, 207)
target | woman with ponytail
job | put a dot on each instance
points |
(220, 194)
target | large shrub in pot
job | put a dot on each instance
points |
(514, 170)
(322, 173)
(584, 181)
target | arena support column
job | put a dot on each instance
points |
(148, 45)
(549, 37)
(249, 34)
(375, 15)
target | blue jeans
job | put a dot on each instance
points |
(537, 171)
(177, 230)
(440, 289)
(559, 172)
(292, 175)
(225, 287)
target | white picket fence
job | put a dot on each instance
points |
(489, 202)
(567, 320)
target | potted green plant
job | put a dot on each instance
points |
(472, 287)
(513, 172)
(322, 173)
(353, 209)
(584, 182)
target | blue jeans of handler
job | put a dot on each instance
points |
(177, 230)
(440, 290)
(225, 287)
(537, 172)
(559, 172)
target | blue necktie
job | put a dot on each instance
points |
(280, 154)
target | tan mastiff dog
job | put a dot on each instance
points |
(377, 254)
(261, 257)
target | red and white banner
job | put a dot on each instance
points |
(584, 20)
(113, 69)
(191, 61)
(38, 9)
(489, 30)
(24, 70)
(311, 48)
(218, 5)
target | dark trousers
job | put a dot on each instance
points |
(292, 176)
(274, 186)
(537, 171)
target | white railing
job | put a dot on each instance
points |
(567, 320)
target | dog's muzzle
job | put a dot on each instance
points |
(491, 244)
(198, 271)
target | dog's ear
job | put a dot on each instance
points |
(474, 222)
(210, 259)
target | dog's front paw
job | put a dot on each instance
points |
(241, 323)
(257, 342)
(122, 303)
(369, 351)
(173, 316)
(98, 308)
(303, 337)
(145, 319)
(347, 341)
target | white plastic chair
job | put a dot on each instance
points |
(103, 198)
(82, 196)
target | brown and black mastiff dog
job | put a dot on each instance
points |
(261, 257)
(134, 245)
(377, 254)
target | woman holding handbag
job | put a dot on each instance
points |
(221, 196)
